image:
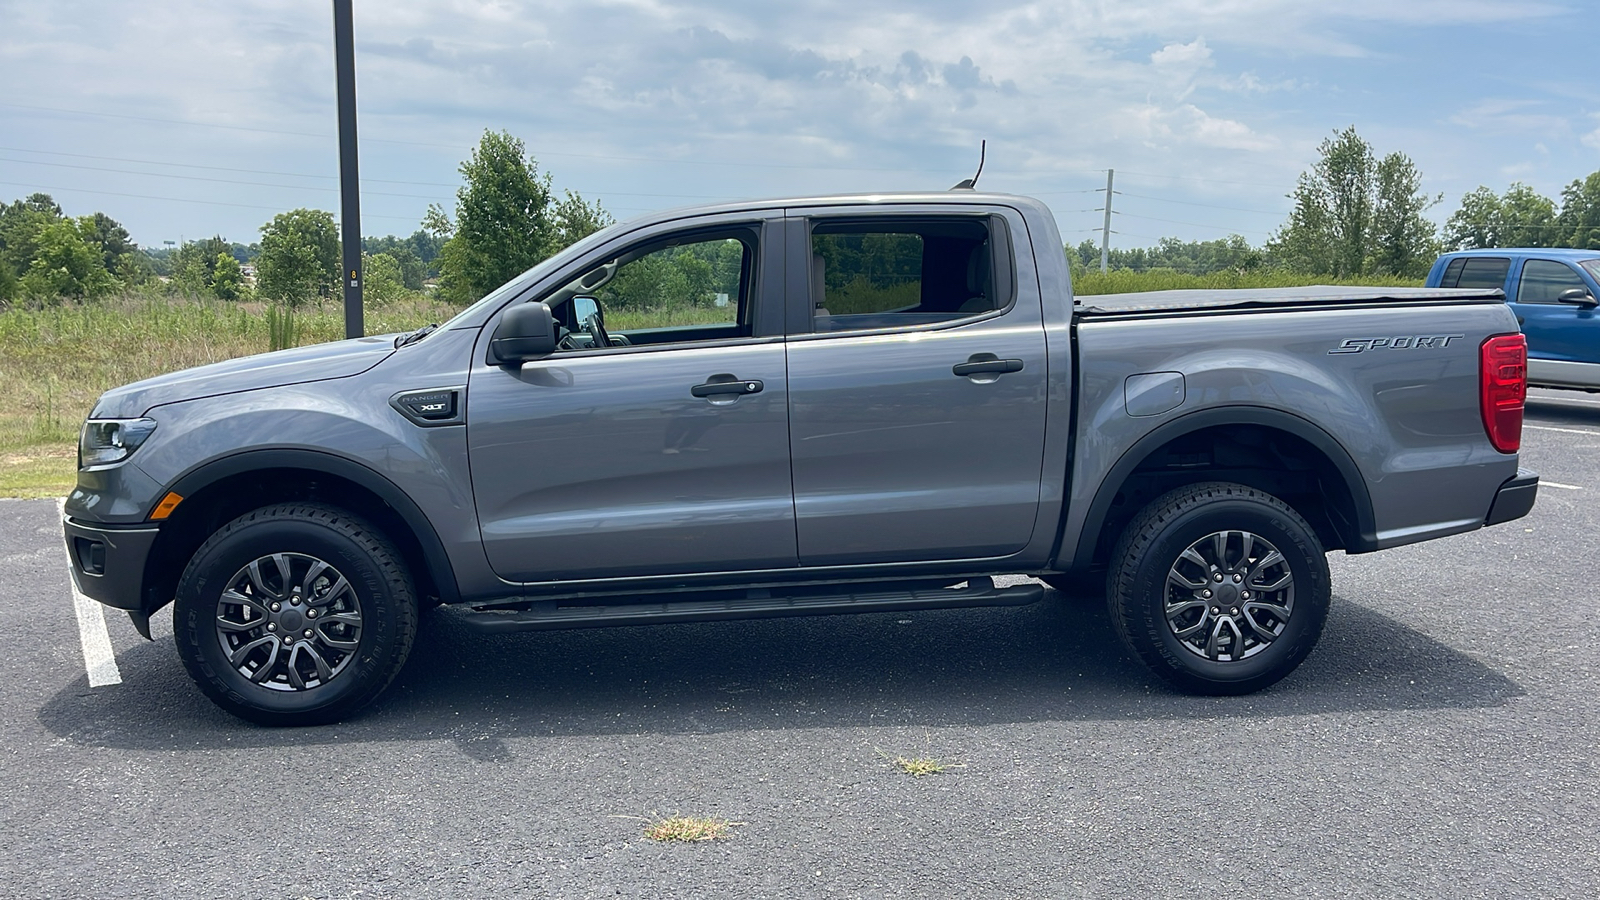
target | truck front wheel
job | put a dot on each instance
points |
(1219, 588)
(295, 614)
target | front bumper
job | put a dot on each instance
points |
(1515, 497)
(108, 560)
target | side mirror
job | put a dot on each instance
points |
(584, 306)
(1579, 297)
(526, 332)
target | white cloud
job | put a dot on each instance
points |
(1592, 139)
(1192, 55)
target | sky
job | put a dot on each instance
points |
(184, 119)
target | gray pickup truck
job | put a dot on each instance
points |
(816, 405)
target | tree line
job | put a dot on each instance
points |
(1355, 213)
(506, 218)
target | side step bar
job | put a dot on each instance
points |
(754, 604)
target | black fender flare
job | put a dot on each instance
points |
(433, 552)
(1366, 538)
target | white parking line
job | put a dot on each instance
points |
(1567, 430)
(99, 660)
(1564, 400)
(1557, 484)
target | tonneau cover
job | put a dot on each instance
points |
(1251, 298)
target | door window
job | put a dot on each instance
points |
(1543, 281)
(681, 289)
(892, 274)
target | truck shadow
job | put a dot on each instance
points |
(1055, 660)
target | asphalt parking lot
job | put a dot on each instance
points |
(1440, 742)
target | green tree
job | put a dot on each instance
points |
(67, 263)
(299, 256)
(1579, 219)
(113, 239)
(384, 278)
(1356, 214)
(506, 219)
(194, 265)
(21, 223)
(227, 279)
(1522, 217)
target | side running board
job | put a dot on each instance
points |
(753, 604)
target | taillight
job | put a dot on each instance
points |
(1502, 388)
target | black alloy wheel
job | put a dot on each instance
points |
(295, 614)
(1219, 588)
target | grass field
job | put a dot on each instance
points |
(55, 362)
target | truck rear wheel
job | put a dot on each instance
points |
(1219, 588)
(296, 614)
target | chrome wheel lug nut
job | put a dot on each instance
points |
(1238, 578)
(311, 614)
(1206, 593)
(1218, 577)
(276, 606)
(1215, 610)
(307, 632)
(1234, 611)
(272, 626)
(1244, 595)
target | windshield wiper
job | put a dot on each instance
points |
(408, 339)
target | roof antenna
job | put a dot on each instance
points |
(971, 183)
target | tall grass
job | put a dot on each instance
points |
(56, 361)
(1125, 281)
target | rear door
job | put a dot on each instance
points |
(917, 385)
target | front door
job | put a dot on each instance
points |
(663, 451)
(1556, 331)
(917, 400)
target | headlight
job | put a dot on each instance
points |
(106, 441)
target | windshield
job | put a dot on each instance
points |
(1593, 268)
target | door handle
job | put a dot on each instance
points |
(726, 384)
(984, 366)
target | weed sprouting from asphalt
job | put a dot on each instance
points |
(689, 829)
(919, 766)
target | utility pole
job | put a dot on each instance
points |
(1105, 230)
(344, 64)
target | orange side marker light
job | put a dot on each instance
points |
(166, 506)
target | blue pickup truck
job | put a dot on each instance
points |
(1553, 292)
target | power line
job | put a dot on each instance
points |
(46, 187)
(1194, 224)
(457, 147)
(290, 187)
(1268, 212)
(1211, 180)
(300, 187)
(156, 162)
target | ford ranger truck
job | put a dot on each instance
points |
(792, 407)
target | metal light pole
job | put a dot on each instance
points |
(344, 63)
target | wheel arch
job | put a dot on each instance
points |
(218, 491)
(1344, 515)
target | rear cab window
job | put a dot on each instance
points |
(896, 273)
(1476, 272)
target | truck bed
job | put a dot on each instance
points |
(1322, 295)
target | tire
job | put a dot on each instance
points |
(1202, 635)
(1078, 585)
(295, 614)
